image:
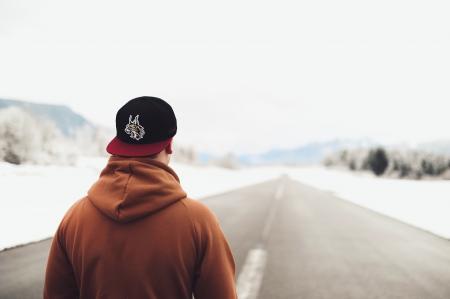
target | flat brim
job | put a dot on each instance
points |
(119, 148)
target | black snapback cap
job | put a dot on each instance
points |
(144, 126)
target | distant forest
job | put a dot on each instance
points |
(27, 137)
(411, 164)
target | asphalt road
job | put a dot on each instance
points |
(294, 241)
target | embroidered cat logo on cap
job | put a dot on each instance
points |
(134, 129)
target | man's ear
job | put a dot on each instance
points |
(169, 149)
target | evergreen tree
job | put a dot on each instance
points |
(378, 161)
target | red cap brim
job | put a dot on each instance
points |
(119, 148)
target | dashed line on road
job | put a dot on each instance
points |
(273, 212)
(250, 278)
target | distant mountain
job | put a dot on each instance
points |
(311, 153)
(204, 157)
(437, 147)
(64, 118)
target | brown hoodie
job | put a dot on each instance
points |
(136, 235)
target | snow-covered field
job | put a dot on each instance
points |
(424, 204)
(35, 198)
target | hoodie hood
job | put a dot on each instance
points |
(132, 188)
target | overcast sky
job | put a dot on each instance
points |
(242, 76)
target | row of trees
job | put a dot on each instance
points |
(27, 138)
(403, 164)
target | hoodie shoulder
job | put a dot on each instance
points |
(199, 212)
(70, 214)
(204, 222)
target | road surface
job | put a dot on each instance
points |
(293, 241)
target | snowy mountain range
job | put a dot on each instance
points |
(65, 118)
(69, 121)
(310, 153)
(438, 147)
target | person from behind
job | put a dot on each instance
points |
(136, 234)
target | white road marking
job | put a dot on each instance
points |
(280, 191)
(250, 278)
(273, 212)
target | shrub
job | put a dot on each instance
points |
(377, 161)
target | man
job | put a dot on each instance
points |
(136, 234)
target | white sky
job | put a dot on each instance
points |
(242, 76)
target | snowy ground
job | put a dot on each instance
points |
(36, 197)
(424, 204)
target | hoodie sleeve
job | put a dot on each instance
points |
(59, 278)
(216, 267)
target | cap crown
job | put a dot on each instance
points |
(145, 120)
